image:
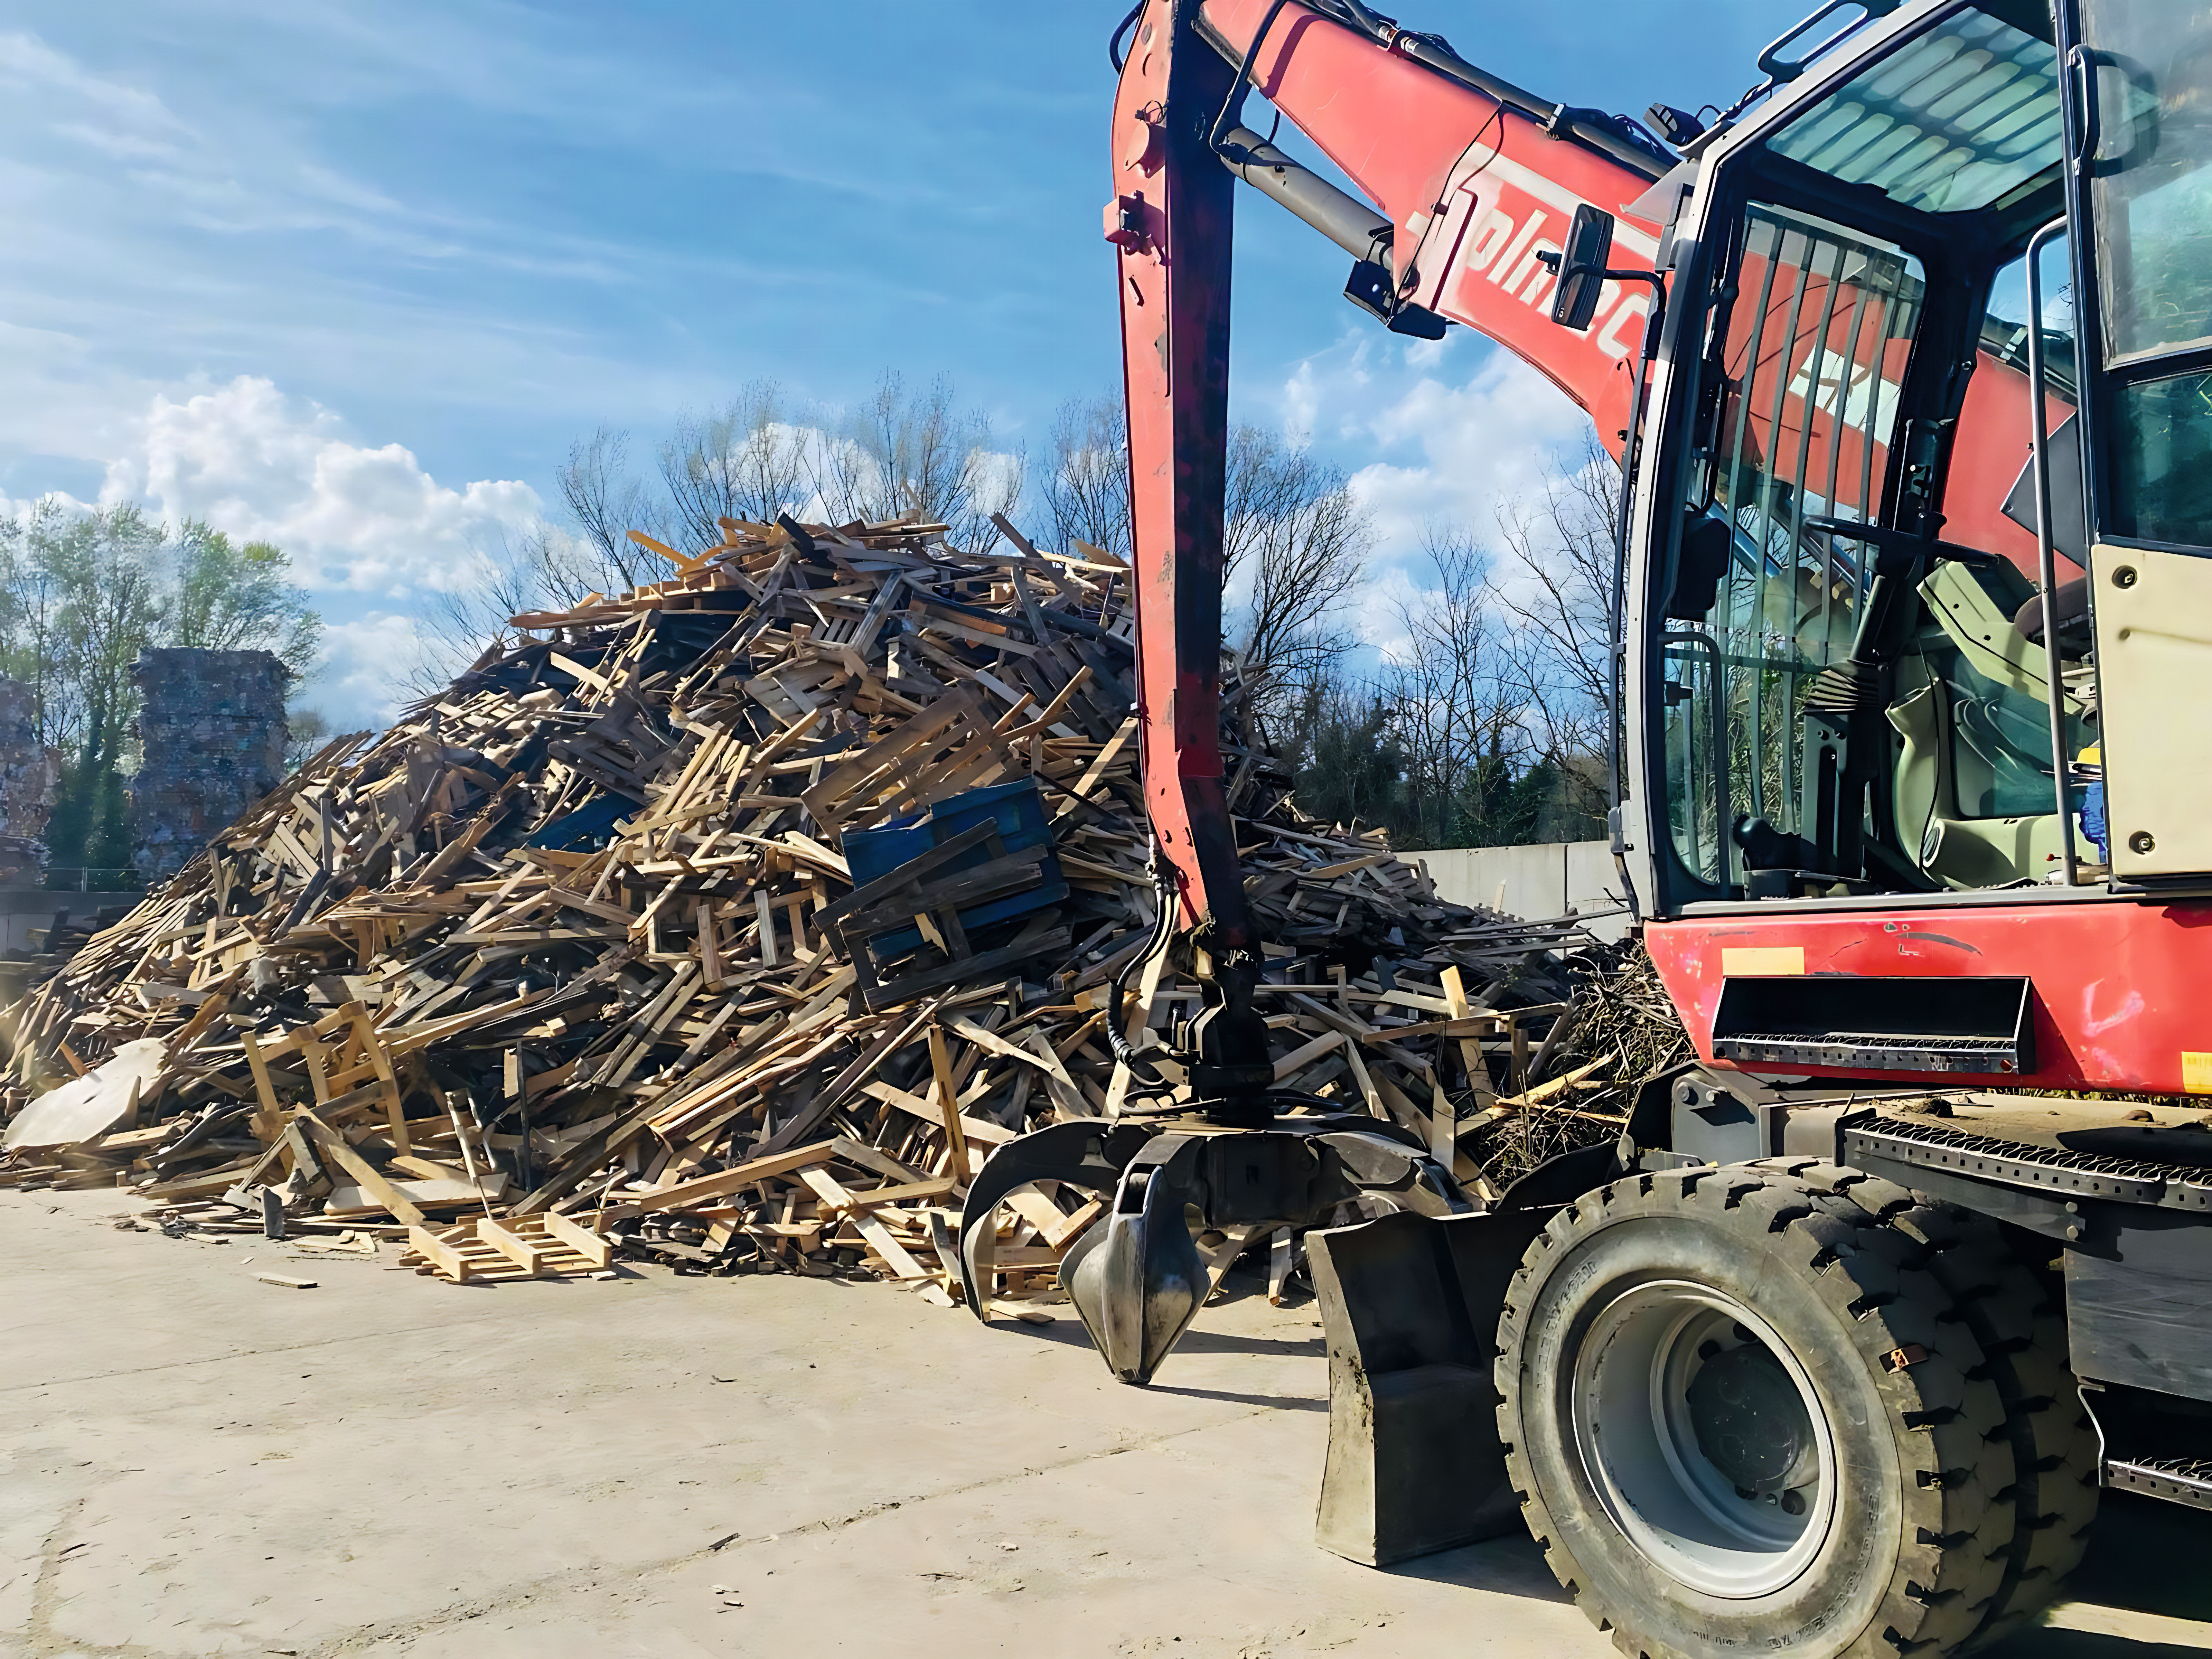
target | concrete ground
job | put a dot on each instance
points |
(192, 1463)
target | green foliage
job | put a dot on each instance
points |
(81, 595)
(228, 597)
(1351, 768)
(90, 827)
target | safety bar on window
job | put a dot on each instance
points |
(2046, 556)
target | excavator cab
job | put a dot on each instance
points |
(1838, 700)
(1864, 469)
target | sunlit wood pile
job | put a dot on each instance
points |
(734, 921)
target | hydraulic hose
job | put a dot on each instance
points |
(1163, 930)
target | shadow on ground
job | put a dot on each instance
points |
(2146, 1557)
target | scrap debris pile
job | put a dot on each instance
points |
(734, 920)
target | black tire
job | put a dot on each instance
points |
(1642, 1320)
(2022, 1330)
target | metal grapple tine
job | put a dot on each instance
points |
(1083, 1154)
(1136, 1279)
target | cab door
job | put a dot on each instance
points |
(2139, 117)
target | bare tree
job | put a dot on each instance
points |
(306, 731)
(901, 453)
(540, 568)
(1456, 698)
(1295, 541)
(1086, 490)
(605, 503)
(747, 460)
(1557, 597)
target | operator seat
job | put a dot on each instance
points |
(1974, 767)
(2072, 602)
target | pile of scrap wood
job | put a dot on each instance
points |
(734, 920)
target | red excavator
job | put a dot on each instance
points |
(1832, 1352)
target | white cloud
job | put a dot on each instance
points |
(1482, 444)
(360, 682)
(12, 508)
(122, 119)
(259, 464)
(1434, 437)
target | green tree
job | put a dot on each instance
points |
(82, 594)
(1350, 766)
(224, 597)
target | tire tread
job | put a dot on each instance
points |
(1959, 1458)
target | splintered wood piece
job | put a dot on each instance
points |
(1279, 1262)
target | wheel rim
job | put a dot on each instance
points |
(1703, 1438)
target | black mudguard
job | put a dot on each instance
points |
(1410, 1305)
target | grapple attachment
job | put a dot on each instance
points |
(1136, 1277)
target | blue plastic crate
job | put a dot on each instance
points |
(1018, 809)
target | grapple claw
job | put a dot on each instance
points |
(1136, 1279)
(1086, 1154)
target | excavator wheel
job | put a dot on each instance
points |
(1741, 1413)
(2021, 1329)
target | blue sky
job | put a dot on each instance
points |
(355, 276)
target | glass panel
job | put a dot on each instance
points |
(2004, 324)
(2162, 461)
(1958, 118)
(1696, 791)
(2153, 191)
(1818, 339)
(2000, 739)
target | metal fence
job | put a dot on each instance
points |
(92, 878)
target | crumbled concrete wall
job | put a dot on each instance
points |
(211, 741)
(29, 773)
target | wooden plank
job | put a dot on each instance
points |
(1299, 1058)
(380, 1061)
(1048, 1061)
(895, 1254)
(905, 1192)
(335, 1146)
(447, 1260)
(1106, 758)
(582, 1240)
(947, 1100)
(512, 1245)
(899, 742)
(1463, 1026)
(684, 1194)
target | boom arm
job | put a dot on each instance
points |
(1472, 188)
(1476, 180)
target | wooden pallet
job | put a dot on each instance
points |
(485, 1251)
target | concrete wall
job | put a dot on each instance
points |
(1537, 882)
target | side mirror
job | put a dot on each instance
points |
(1581, 267)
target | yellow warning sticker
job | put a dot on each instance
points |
(1744, 961)
(2197, 1072)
